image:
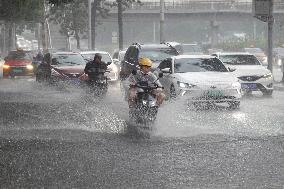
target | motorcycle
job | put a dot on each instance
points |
(145, 110)
(99, 84)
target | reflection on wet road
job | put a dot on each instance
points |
(62, 137)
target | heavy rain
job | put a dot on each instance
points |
(141, 94)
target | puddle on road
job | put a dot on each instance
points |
(73, 108)
(175, 120)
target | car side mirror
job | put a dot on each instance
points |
(161, 74)
(166, 70)
(109, 63)
(134, 72)
(231, 69)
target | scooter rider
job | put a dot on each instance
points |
(95, 68)
(144, 75)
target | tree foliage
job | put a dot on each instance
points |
(20, 10)
(121, 6)
(25, 10)
(73, 16)
(125, 3)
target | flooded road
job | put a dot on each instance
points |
(61, 137)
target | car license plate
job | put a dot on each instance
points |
(17, 70)
(249, 86)
(215, 93)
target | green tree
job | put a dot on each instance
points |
(18, 13)
(73, 17)
(122, 5)
(15, 13)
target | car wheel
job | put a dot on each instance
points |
(234, 105)
(267, 92)
(173, 93)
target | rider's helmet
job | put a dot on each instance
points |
(98, 55)
(145, 62)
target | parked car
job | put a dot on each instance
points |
(252, 75)
(112, 68)
(18, 63)
(259, 54)
(155, 52)
(202, 79)
(65, 66)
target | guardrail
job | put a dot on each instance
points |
(204, 5)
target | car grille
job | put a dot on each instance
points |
(73, 75)
(250, 78)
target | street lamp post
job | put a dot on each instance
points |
(90, 24)
(162, 21)
(270, 35)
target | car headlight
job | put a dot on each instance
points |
(236, 85)
(268, 76)
(30, 67)
(279, 62)
(264, 59)
(184, 85)
(5, 66)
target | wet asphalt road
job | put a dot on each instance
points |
(60, 137)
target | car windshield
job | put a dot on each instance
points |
(158, 54)
(105, 57)
(18, 55)
(239, 60)
(191, 48)
(183, 65)
(253, 50)
(68, 59)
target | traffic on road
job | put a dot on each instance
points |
(150, 94)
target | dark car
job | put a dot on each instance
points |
(18, 63)
(65, 66)
(155, 52)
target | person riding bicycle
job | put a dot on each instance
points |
(144, 75)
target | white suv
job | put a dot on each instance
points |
(251, 74)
